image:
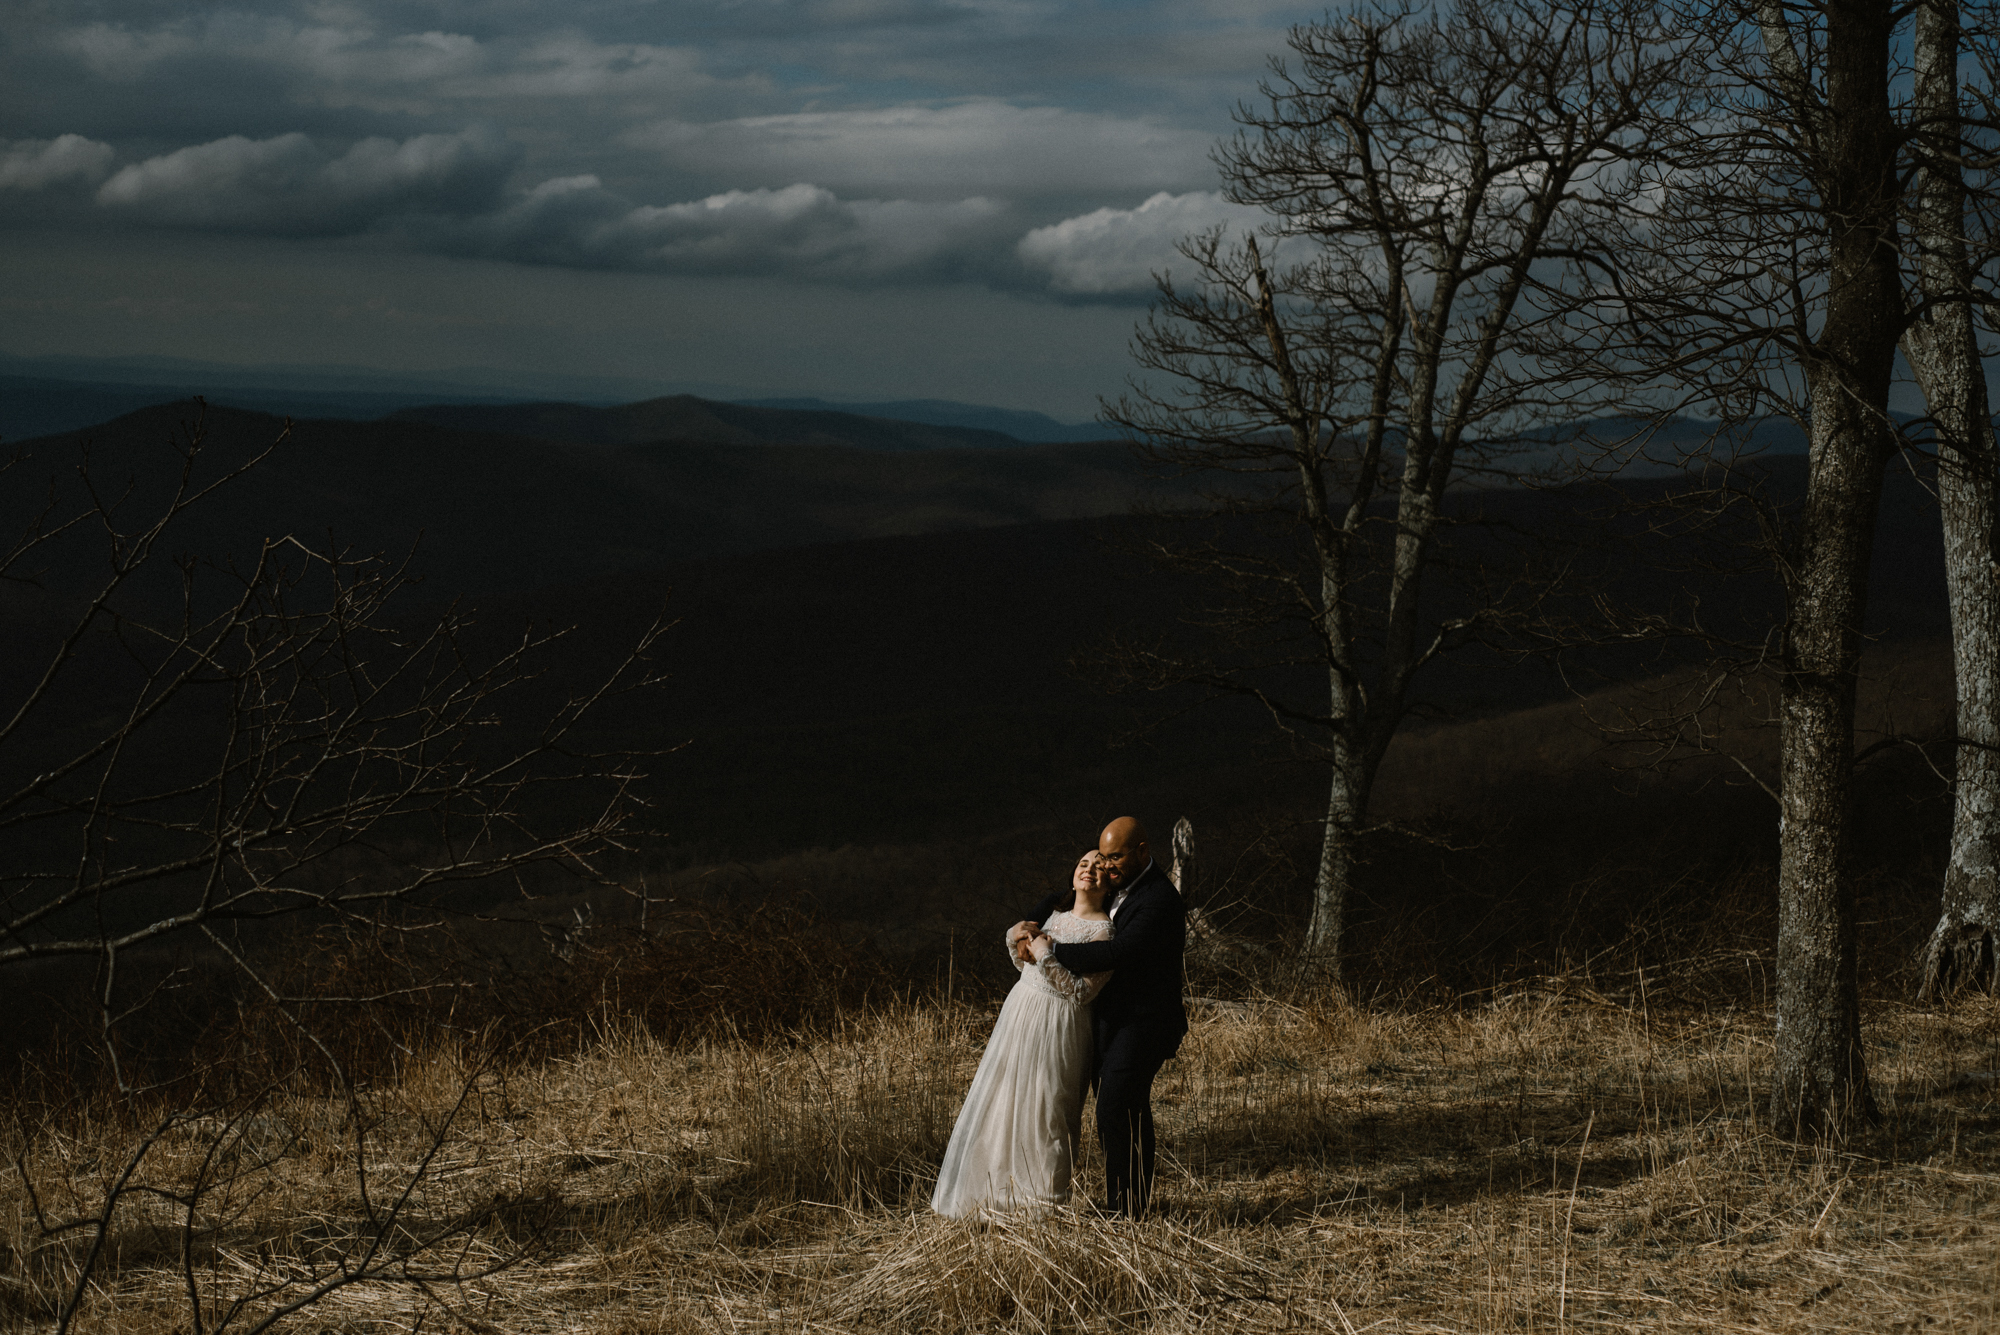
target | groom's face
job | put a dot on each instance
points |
(1121, 859)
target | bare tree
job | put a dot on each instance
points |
(1942, 347)
(1418, 165)
(1758, 271)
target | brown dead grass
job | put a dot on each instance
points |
(1551, 1161)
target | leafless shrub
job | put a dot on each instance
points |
(196, 775)
(188, 1188)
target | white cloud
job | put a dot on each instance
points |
(938, 152)
(801, 230)
(288, 184)
(34, 164)
(1116, 251)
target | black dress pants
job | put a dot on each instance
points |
(1127, 1060)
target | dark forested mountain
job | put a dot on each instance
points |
(492, 511)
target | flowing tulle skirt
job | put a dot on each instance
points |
(1014, 1146)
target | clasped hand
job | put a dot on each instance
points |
(1028, 943)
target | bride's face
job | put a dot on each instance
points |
(1088, 878)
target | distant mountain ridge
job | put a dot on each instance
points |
(33, 406)
(1016, 422)
(453, 385)
(684, 418)
(44, 405)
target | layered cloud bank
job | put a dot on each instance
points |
(841, 141)
(451, 193)
(913, 196)
(290, 186)
(800, 230)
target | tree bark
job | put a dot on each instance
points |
(1942, 347)
(1347, 801)
(1820, 1075)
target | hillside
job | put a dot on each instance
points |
(891, 650)
(906, 688)
(818, 586)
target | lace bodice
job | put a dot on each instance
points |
(1066, 928)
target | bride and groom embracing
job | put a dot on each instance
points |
(1098, 1002)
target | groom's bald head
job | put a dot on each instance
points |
(1122, 848)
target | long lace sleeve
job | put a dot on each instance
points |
(1082, 989)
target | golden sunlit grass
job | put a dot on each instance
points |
(1546, 1162)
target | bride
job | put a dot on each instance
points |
(1016, 1137)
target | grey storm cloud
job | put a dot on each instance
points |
(372, 66)
(289, 185)
(978, 146)
(69, 159)
(802, 230)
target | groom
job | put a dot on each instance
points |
(1139, 1019)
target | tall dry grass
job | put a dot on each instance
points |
(1549, 1160)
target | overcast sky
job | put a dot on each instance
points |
(948, 198)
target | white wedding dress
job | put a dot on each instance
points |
(1014, 1146)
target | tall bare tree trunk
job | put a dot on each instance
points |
(1347, 801)
(1820, 1081)
(1943, 349)
(1820, 1076)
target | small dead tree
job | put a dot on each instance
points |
(253, 1241)
(267, 742)
(1418, 166)
(188, 765)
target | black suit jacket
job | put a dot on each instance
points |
(1144, 955)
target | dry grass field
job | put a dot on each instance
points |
(1578, 1147)
(1549, 1159)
